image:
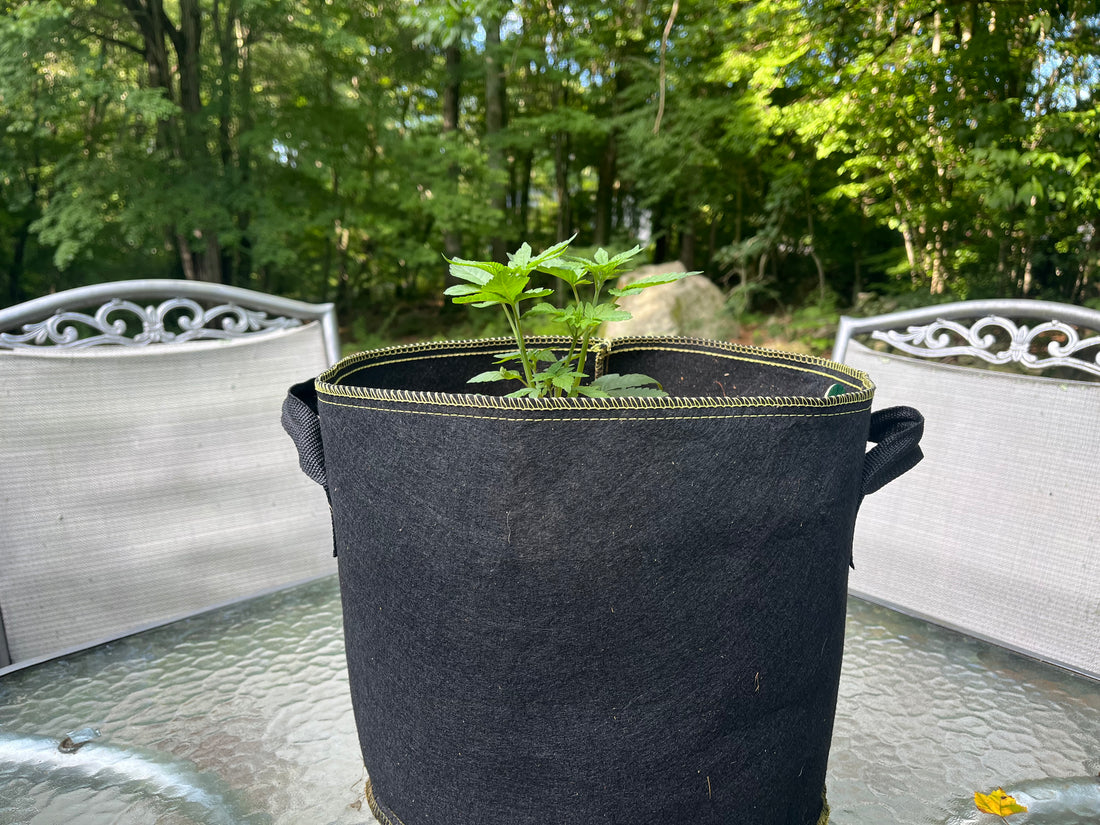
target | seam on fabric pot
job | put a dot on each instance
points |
(385, 817)
(469, 400)
(593, 419)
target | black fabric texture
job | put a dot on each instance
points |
(595, 613)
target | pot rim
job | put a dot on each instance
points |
(860, 387)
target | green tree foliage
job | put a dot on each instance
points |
(332, 149)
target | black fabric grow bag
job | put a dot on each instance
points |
(586, 612)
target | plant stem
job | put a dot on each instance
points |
(582, 356)
(511, 312)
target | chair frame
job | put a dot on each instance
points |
(933, 332)
(55, 320)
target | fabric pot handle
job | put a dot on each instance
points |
(896, 433)
(302, 422)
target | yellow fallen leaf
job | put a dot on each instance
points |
(998, 803)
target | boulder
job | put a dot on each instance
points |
(693, 307)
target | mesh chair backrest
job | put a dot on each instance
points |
(997, 532)
(142, 485)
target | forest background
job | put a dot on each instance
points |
(799, 152)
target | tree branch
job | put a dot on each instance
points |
(661, 81)
(104, 38)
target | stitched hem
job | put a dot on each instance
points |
(332, 382)
(387, 817)
(381, 813)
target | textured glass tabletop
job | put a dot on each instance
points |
(242, 715)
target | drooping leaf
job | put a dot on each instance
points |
(571, 272)
(998, 803)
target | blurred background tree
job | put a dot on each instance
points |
(797, 151)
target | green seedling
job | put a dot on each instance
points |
(541, 372)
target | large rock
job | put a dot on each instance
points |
(692, 307)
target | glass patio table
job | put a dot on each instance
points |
(242, 715)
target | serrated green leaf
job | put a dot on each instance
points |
(553, 252)
(572, 275)
(544, 309)
(478, 299)
(632, 384)
(478, 272)
(623, 257)
(650, 280)
(494, 375)
(563, 381)
(542, 355)
(537, 293)
(608, 312)
(521, 257)
(462, 289)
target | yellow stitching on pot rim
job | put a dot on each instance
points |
(329, 382)
(441, 399)
(566, 419)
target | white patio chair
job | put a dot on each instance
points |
(997, 532)
(145, 474)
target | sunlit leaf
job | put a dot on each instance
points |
(998, 803)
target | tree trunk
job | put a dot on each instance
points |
(18, 263)
(494, 125)
(605, 191)
(452, 96)
(561, 185)
(523, 191)
(687, 246)
(186, 141)
(244, 155)
(235, 87)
